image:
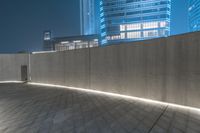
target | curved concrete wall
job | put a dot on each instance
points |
(165, 69)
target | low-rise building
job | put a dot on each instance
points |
(76, 42)
(71, 43)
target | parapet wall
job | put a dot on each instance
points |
(10, 66)
(165, 69)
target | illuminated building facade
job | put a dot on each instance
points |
(89, 17)
(70, 42)
(47, 41)
(132, 20)
(194, 15)
(75, 42)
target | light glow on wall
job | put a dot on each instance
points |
(3, 82)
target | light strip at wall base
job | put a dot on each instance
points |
(3, 82)
(119, 95)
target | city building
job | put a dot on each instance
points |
(89, 17)
(132, 20)
(75, 42)
(194, 15)
(69, 43)
(47, 41)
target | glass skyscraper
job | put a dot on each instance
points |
(89, 17)
(194, 15)
(132, 20)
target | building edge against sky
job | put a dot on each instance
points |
(89, 17)
(132, 20)
(194, 15)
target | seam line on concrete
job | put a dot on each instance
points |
(155, 123)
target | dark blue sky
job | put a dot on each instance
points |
(23, 21)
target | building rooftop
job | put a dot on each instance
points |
(72, 38)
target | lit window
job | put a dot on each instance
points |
(77, 41)
(47, 36)
(64, 42)
(122, 27)
(130, 27)
(133, 26)
(150, 25)
(163, 24)
(108, 37)
(122, 35)
(151, 33)
(131, 35)
(115, 37)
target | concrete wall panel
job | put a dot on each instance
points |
(48, 68)
(76, 64)
(10, 66)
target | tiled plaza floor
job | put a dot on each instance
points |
(36, 109)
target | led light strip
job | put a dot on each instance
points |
(119, 95)
(2, 82)
(43, 52)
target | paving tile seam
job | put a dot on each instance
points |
(157, 120)
(63, 111)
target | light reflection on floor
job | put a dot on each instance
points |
(39, 109)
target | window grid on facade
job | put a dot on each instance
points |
(131, 35)
(149, 25)
(194, 15)
(150, 33)
(124, 18)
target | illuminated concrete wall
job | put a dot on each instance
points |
(162, 69)
(10, 66)
(166, 69)
(69, 68)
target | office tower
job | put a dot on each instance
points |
(47, 41)
(194, 15)
(132, 20)
(89, 17)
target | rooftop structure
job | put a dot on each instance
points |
(75, 42)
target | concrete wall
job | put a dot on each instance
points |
(10, 66)
(165, 69)
(69, 68)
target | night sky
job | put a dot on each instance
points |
(23, 21)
